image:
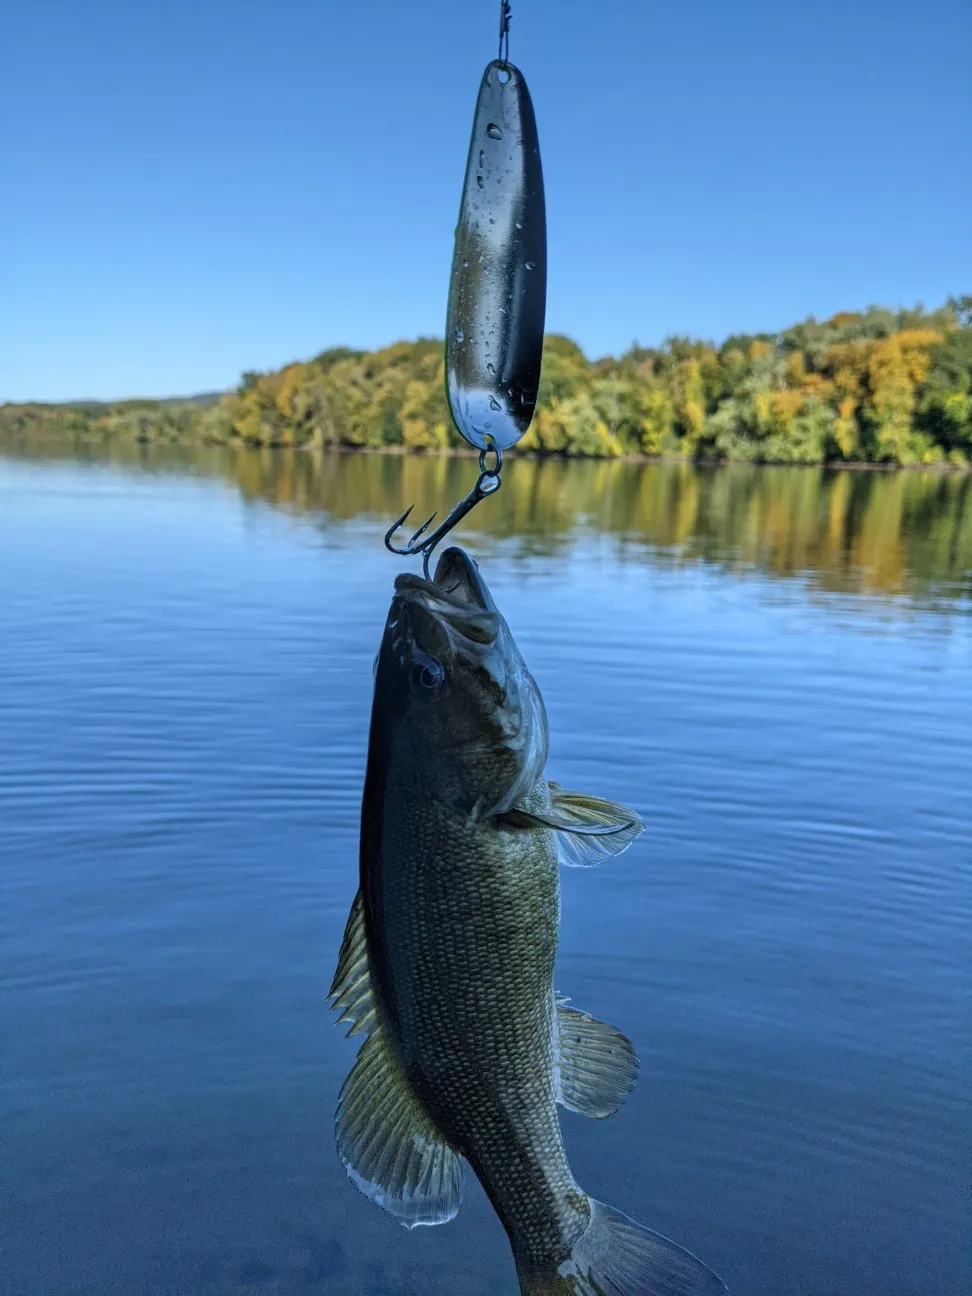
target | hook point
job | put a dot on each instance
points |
(422, 529)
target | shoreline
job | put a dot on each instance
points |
(461, 452)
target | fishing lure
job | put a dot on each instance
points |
(497, 287)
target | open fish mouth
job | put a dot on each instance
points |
(460, 575)
(450, 628)
(457, 606)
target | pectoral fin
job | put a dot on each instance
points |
(590, 828)
(597, 1065)
(390, 1148)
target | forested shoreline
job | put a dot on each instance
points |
(875, 387)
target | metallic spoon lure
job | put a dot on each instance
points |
(498, 286)
(497, 289)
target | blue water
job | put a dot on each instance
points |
(185, 676)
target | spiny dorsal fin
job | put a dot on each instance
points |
(597, 1064)
(351, 988)
(589, 828)
(390, 1148)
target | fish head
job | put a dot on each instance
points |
(454, 694)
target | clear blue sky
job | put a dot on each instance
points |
(193, 188)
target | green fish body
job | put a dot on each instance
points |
(448, 958)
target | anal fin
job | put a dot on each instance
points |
(597, 1064)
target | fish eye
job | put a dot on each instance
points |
(428, 674)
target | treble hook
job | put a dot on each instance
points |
(488, 483)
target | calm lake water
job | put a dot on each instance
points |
(772, 665)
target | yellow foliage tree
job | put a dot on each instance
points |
(896, 365)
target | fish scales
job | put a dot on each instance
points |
(448, 957)
(470, 987)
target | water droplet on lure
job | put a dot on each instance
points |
(493, 131)
(518, 224)
(480, 181)
(531, 265)
(487, 424)
(494, 404)
(491, 368)
(460, 336)
(465, 265)
(482, 157)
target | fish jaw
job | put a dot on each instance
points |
(452, 687)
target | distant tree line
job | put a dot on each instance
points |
(876, 386)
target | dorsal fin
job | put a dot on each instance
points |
(351, 988)
(390, 1147)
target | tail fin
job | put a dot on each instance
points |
(614, 1256)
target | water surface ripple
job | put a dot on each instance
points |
(773, 667)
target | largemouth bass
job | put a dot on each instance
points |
(448, 957)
